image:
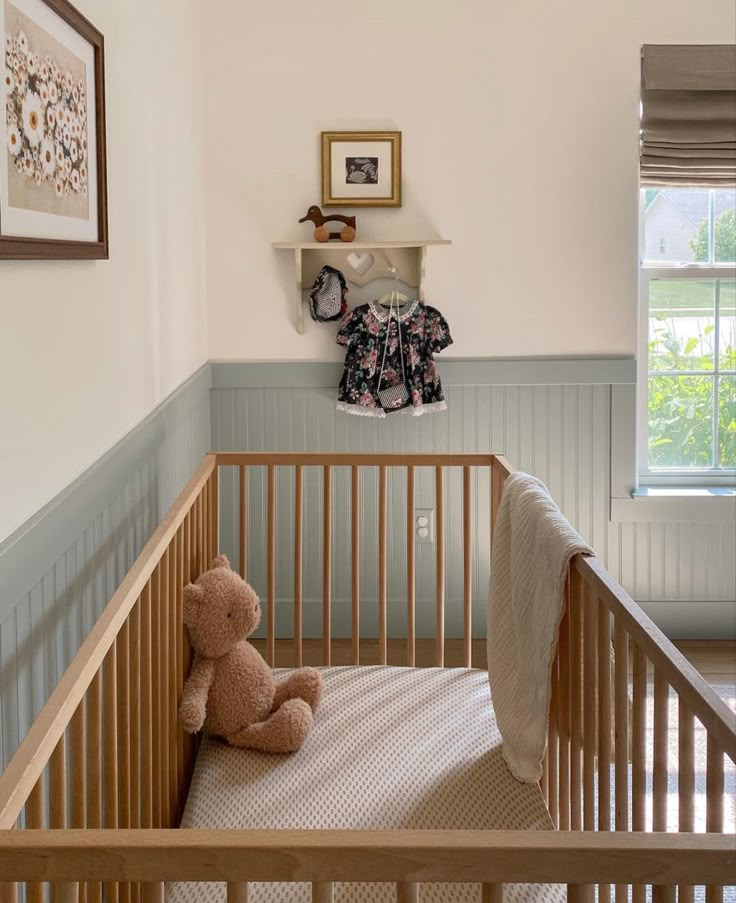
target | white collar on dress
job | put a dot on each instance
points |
(383, 317)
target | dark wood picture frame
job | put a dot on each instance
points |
(18, 248)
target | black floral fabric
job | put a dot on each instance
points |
(368, 331)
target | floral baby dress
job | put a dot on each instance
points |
(368, 332)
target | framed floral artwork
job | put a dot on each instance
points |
(53, 185)
(361, 169)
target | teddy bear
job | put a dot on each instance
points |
(231, 692)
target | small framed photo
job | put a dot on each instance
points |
(361, 169)
(53, 185)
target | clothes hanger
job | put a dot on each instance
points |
(394, 296)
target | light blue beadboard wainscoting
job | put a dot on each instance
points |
(59, 569)
(549, 417)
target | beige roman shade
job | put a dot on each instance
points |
(688, 120)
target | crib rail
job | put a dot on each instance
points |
(327, 856)
(106, 749)
(104, 770)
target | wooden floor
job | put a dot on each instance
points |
(715, 659)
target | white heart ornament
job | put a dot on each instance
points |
(361, 263)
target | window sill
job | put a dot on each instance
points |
(692, 505)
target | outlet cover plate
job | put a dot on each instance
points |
(427, 513)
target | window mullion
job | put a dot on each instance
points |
(716, 370)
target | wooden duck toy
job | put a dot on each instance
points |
(322, 233)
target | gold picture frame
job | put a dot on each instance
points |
(361, 169)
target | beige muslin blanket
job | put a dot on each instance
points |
(532, 546)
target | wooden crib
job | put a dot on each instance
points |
(90, 803)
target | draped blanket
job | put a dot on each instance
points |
(532, 546)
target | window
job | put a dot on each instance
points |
(688, 300)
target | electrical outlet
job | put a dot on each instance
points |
(424, 525)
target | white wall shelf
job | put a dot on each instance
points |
(372, 259)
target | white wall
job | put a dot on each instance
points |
(520, 144)
(87, 350)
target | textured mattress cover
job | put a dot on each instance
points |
(390, 748)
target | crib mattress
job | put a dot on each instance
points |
(390, 748)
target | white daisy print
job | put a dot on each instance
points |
(14, 145)
(48, 157)
(45, 118)
(33, 118)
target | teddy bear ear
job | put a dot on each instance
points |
(221, 562)
(193, 597)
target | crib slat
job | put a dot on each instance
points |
(604, 721)
(298, 533)
(638, 745)
(621, 722)
(467, 569)
(110, 751)
(590, 625)
(604, 733)
(382, 577)
(156, 690)
(134, 680)
(271, 553)
(714, 782)
(171, 675)
(576, 701)
(327, 566)
(122, 652)
(205, 502)
(180, 642)
(659, 778)
(660, 893)
(187, 740)
(164, 671)
(355, 563)
(215, 511)
(57, 785)
(564, 719)
(161, 659)
(8, 892)
(411, 550)
(78, 775)
(685, 783)
(407, 892)
(492, 893)
(34, 819)
(243, 520)
(237, 892)
(66, 892)
(77, 770)
(440, 567)
(146, 682)
(553, 765)
(202, 563)
(153, 892)
(322, 892)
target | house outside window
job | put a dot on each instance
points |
(688, 333)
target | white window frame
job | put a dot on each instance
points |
(675, 477)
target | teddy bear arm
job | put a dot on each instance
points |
(194, 699)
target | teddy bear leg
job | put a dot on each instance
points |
(306, 684)
(284, 731)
